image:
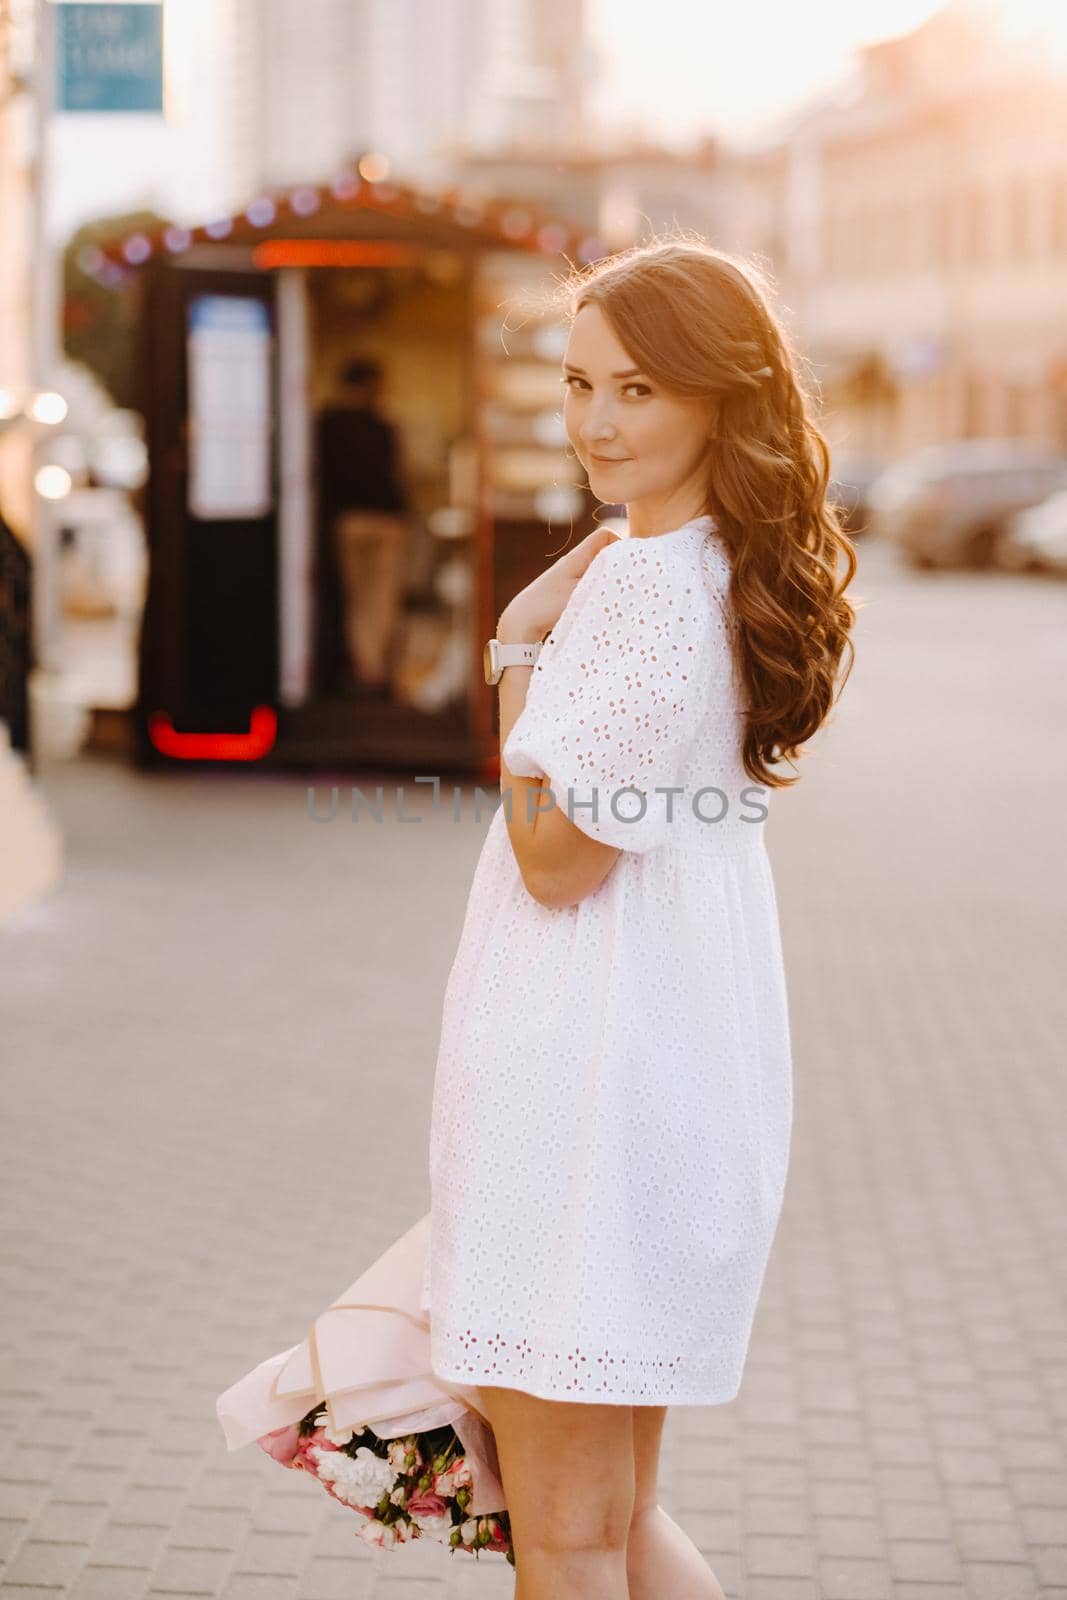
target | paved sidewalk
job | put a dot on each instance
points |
(195, 1024)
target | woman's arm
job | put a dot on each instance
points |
(559, 863)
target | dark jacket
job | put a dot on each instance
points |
(357, 462)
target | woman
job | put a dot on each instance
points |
(613, 1100)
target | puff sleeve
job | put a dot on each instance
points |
(617, 695)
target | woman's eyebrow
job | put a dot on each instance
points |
(631, 372)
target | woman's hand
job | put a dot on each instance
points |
(535, 609)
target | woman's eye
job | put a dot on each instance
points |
(572, 377)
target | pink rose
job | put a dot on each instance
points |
(426, 1504)
(313, 1441)
(282, 1444)
(457, 1476)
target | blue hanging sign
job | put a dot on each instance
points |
(109, 57)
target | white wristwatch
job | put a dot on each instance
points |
(498, 655)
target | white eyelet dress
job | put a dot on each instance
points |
(612, 1103)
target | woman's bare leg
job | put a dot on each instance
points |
(661, 1560)
(567, 1471)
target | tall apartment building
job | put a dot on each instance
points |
(420, 82)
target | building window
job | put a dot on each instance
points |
(976, 226)
(1058, 214)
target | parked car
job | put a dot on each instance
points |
(850, 488)
(1035, 540)
(946, 505)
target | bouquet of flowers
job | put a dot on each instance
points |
(412, 1487)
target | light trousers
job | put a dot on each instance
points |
(371, 548)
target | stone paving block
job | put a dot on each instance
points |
(1032, 1454)
(1040, 1526)
(707, 1491)
(19, 1499)
(277, 1513)
(842, 1499)
(835, 1428)
(837, 1461)
(128, 1545)
(33, 1465)
(47, 1565)
(778, 1556)
(777, 1514)
(284, 1554)
(962, 1401)
(900, 1448)
(758, 1588)
(1051, 1563)
(464, 1582)
(969, 1502)
(996, 1581)
(335, 1578)
(928, 1560)
(915, 1483)
(990, 1541)
(842, 1578)
(110, 1583)
(153, 1508)
(233, 1491)
(191, 1571)
(849, 1536)
(1022, 1420)
(64, 1520)
(773, 1477)
(338, 1536)
(1039, 1489)
(213, 1528)
(105, 1485)
(261, 1586)
(12, 1534)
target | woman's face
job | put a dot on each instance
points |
(641, 446)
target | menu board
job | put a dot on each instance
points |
(230, 407)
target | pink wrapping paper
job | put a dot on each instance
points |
(367, 1359)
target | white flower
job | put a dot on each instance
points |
(398, 1449)
(377, 1533)
(468, 1530)
(359, 1480)
(439, 1527)
(339, 1436)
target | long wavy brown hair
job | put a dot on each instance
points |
(700, 322)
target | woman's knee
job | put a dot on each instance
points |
(567, 1470)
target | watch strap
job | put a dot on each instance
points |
(517, 654)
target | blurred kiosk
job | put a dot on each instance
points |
(243, 326)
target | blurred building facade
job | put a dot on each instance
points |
(269, 92)
(314, 85)
(920, 236)
(16, 131)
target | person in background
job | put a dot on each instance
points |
(366, 512)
